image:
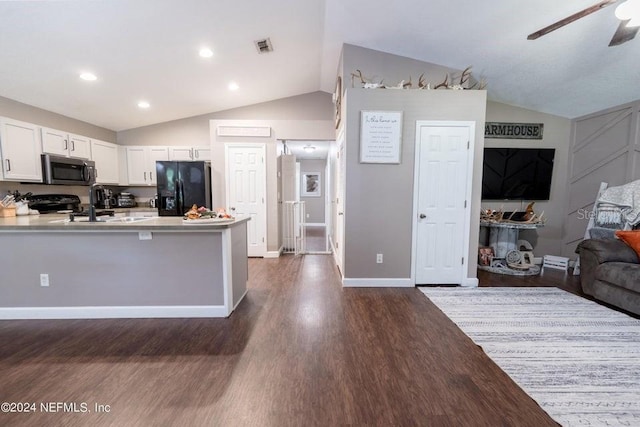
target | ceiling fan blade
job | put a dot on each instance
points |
(623, 34)
(570, 19)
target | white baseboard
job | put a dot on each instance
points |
(377, 283)
(273, 254)
(470, 282)
(134, 312)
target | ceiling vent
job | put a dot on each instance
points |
(264, 45)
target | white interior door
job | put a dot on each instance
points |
(441, 208)
(246, 192)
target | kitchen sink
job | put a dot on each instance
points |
(128, 219)
(106, 219)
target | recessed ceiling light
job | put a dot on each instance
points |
(309, 148)
(144, 104)
(88, 77)
(205, 52)
(233, 86)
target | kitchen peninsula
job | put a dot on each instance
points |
(125, 268)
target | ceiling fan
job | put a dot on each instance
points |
(628, 12)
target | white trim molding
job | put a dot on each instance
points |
(470, 282)
(378, 283)
(133, 312)
(272, 254)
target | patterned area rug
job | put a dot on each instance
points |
(579, 360)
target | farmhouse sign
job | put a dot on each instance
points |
(513, 130)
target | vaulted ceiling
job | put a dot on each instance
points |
(148, 50)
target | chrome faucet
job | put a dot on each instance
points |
(92, 201)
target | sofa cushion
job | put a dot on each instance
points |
(631, 238)
(602, 233)
(621, 274)
(606, 250)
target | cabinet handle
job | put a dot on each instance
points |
(191, 152)
(150, 176)
(66, 144)
(8, 165)
(73, 146)
(145, 176)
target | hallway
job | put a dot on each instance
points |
(299, 350)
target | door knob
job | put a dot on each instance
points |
(422, 216)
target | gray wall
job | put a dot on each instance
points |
(314, 205)
(27, 113)
(379, 198)
(605, 147)
(557, 134)
(376, 66)
(195, 130)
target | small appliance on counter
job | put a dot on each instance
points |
(125, 200)
(105, 198)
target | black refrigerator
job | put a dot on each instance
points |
(181, 185)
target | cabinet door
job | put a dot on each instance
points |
(202, 153)
(155, 154)
(137, 169)
(105, 154)
(55, 142)
(21, 148)
(180, 153)
(79, 147)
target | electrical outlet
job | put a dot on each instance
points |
(44, 279)
(378, 258)
(145, 235)
(307, 216)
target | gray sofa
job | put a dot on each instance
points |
(610, 272)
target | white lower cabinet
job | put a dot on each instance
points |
(105, 155)
(21, 147)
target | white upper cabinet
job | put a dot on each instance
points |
(21, 148)
(105, 155)
(61, 143)
(190, 153)
(141, 163)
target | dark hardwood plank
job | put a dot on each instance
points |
(299, 350)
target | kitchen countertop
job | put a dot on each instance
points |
(55, 222)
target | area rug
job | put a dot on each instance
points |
(579, 360)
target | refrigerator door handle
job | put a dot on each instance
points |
(178, 197)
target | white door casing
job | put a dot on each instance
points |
(246, 191)
(340, 204)
(444, 162)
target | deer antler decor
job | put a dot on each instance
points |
(449, 82)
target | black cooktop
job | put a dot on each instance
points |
(52, 203)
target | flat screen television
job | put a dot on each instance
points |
(517, 173)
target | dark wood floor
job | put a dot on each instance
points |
(299, 350)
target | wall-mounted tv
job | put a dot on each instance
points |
(517, 173)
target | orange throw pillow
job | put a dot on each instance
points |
(631, 238)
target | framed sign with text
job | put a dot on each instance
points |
(380, 136)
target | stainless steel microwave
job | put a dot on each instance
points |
(66, 171)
